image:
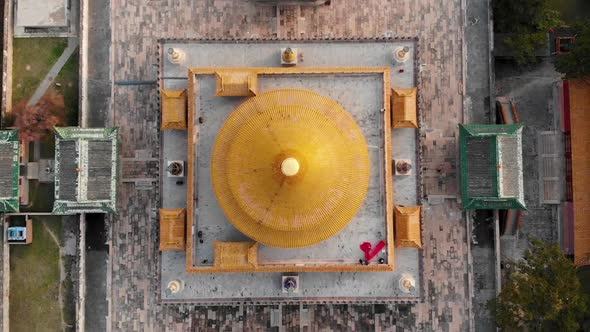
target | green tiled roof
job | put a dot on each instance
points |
(9, 170)
(491, 166)
(86, 170)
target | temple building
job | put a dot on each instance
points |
(294, 172)
(84, 171)
(86, 166)
(278, 186)
(9, 170)
(491, 166)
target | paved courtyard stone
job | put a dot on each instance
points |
(137, 25)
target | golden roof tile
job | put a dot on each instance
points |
(404, 108)
(174, 105)
(407, 227)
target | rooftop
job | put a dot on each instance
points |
(47, 13)
(360, 84)
(313, 187)
(491, 166)
(86, 164)
(9, 170)
(579, 94)
(208, 214)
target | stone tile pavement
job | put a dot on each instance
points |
(136, 27)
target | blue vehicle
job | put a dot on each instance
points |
(17, 233)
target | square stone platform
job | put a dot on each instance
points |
(360, 95)
(41, 14)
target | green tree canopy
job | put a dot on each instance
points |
(542, 294)
(527, 22)
(524, 16)
(576, 64)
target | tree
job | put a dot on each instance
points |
(576, 64)
(36, 121)
(527, 23)
(542, 294)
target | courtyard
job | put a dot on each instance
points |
(368, 73)
(134, 257)
(124, 75)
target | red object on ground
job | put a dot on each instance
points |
(367, 246)
(377, 249)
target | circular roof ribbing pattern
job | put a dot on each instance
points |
(290, 168)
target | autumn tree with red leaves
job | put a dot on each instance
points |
(36, 121)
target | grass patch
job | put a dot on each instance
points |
(68, 79)
(69, 296)
(34, 281)
(32, 60)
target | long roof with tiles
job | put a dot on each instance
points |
(9, 170)
(86, 164)
(579, 92)
(491, 166)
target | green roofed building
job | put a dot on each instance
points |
(491, 166)
(9, 170)
(86, 165)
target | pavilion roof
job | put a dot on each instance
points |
(174, 106)
(236, 255)
(172, 229)
(404, 108)
(86, 166)
(314, 203)
(236, 83)
(407, 227)
(9, 170)
(491, 166)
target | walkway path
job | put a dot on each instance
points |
(98, 91)
(57, 66)
(478, 73)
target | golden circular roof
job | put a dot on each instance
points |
(290, 168)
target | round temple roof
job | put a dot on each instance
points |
(290, 168)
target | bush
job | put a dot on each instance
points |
(528, 21)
